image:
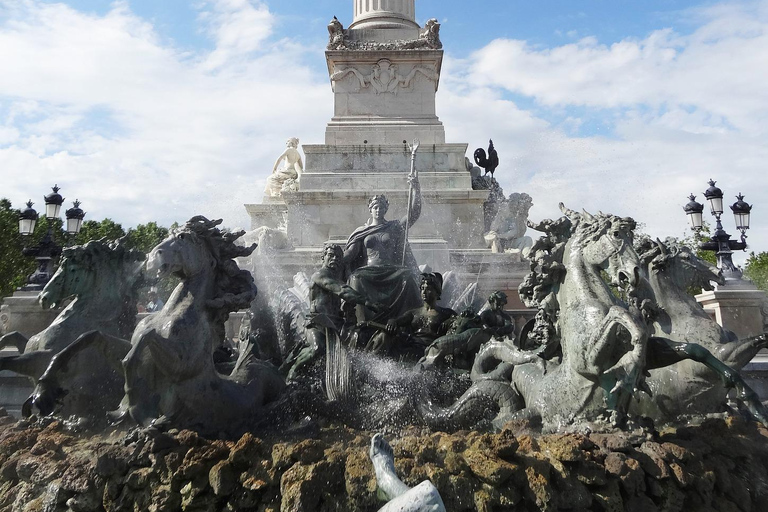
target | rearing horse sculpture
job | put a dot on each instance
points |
(606, 343)
(603, 340)
(101, 277)
(170, 377)
(671, 271)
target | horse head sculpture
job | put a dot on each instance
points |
(680, 264)
(92, 270)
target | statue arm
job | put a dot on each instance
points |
(415, 206)
(279, 159)
(338, 288)
(351, 252)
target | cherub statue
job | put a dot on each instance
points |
(291, 170)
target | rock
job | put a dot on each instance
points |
(360, 480)
(566, 448)
(652, 457)
(307, 451)
(304, 485)
(199, 459)
(223, 478)
(590, 473)
(281, 456)
(540, 489)
(641, 504)
(26, 467)
(111, 461)
(164, 500)
(609, 497)
(612, 442)
(88, 502)
(490, 470)
(194, 497)
(139, 478)
(247, 449)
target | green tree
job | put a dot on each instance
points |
(145, 237)
(756, 269)
(14, 266)
(694, 240)
(94, 230)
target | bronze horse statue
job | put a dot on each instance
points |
(608, 344)
(170, 377)
(671, 271)
(101, 279)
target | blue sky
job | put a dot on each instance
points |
(159, 110)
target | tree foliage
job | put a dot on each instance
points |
(94, 230)
(15, 267)
(146, 236)
(756, 269)
(696, 238)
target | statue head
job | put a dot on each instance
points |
(378, 206)
(431, 285)
(497, 299)
(520, 203)
(332, 256)
(293, 142)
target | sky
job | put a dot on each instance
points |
(158, 111)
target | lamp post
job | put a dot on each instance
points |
(720, 243)
(47, 251)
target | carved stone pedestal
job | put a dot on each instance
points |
(738, 309)
(21, 312)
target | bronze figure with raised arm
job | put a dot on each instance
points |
(382, 266)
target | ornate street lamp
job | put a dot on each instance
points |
(75, 218)
(694, 210)
(47, 251)
(53, 202)
(720, 243)
(27, 219)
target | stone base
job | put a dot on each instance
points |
(756, 374)
(717, 465)
(736, 309)
(21, 312)
(14, 389)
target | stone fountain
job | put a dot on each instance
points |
(615, 391)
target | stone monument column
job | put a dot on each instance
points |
(397, 13)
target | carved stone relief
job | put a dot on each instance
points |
(384, 77)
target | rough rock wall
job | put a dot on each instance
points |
(718, 465)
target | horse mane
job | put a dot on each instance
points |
(118, 255)
(235, 288)
(540, 287)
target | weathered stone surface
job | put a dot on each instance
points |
(222, 478)
(719, 466)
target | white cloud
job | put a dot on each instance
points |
(141, 130)
(238, 27)
(681, 108)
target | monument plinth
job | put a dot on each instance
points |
(384, 71)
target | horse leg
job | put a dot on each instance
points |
(16, 339)
(52, 384)
(31, 364)
(739, 353)
(664, 352)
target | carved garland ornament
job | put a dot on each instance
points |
(384, 77)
